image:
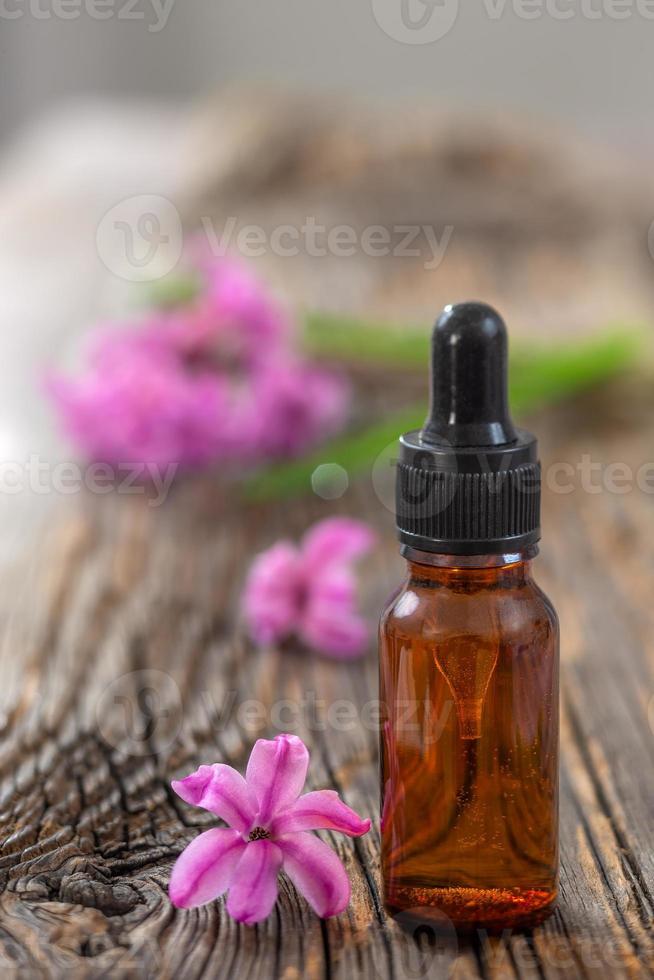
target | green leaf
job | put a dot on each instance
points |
(354, 453)
(347, 339)
(544, 375)
(538, 376)
(172, 290)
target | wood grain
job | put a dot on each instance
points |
(124, 664)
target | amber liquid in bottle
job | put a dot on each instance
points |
(469, 741)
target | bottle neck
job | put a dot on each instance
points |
(510, 568)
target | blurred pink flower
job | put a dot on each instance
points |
(144, 410)
(216, 380)
(268, 823)
(296, 405)
(233, 295)
(233, 319)
(310, 591)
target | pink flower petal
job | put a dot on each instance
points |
(321, 810)
(330, 622)
(337, 539)
(254, 891)
(221, 790)
(238, 306)
(205, 869)
(317, 872)
(296, 407)
(334, 584)
(343, 638)
(271, 598)
(276, 773)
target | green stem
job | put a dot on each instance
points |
(538, 376)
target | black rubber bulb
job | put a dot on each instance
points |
(469, 400)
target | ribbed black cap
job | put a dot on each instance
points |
(468, 482)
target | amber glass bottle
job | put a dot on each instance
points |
(469, 655)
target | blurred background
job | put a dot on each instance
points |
(367, 164)
(521, 133)
(583, 64)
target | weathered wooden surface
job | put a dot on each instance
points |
(124, 665)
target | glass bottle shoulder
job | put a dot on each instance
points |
(435, 605)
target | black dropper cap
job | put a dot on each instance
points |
(468, 482)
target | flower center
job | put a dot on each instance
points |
(259, 833)
(224, 354)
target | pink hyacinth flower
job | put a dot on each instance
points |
(137, 406)
(268, 831)
(310, 591)
(295, 406)
(233, 317)
(215, 380)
